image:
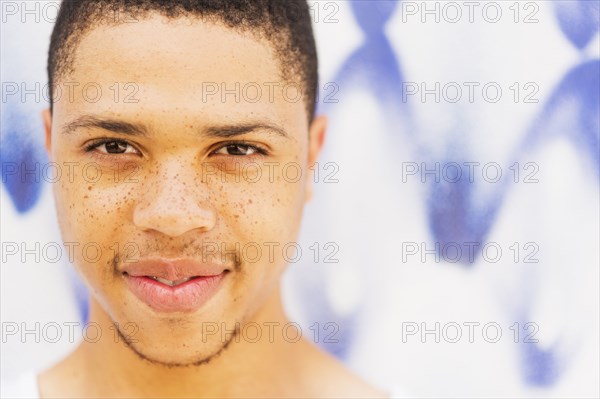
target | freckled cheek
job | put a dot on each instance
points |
(264, 219)
(92, 218)
(263, 211)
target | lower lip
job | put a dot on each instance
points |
(186, 297)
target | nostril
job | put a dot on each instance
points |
(174, 216)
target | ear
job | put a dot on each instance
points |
(47, 118)
(316, 138)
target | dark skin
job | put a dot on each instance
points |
(172, 207)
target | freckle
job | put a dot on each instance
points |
(89, 187)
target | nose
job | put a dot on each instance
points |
(174, 202)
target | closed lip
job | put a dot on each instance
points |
(168, 285)
(173, 269)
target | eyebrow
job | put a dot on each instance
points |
(135, 129)
(112, 125)
(226, 131)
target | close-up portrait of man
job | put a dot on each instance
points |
(300, 199)
(182, 188)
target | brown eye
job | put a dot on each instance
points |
(115, 147)
(237, 150)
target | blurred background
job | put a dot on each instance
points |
(455, 223)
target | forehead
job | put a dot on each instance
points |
(182, 66)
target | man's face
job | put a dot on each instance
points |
(166, 169)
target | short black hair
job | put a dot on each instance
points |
(285, 24)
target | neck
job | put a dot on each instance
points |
(110, 367)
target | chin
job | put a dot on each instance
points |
(181, 339)
(178, 353)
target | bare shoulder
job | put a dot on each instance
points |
(328, 377)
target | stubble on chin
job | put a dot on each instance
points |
(194, 363)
